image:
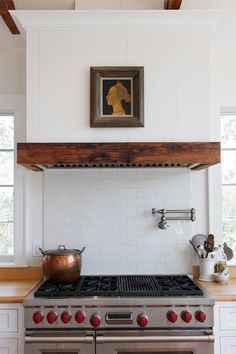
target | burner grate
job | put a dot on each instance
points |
(50, 289)
(98, 286)
(178, 285)
(123, 285)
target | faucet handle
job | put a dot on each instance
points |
(163, 225)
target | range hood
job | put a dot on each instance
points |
(193, 155)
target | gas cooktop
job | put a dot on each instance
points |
(122, 286)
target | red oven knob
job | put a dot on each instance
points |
(186, 316)
(172, 316)
(200, 316)
(95, 320)
(79, 317)
(38, 317)
(51, 317)
(142, 320)
(66, 317)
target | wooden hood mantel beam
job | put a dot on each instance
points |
(172, 4)
(5, 6)
(39, 156)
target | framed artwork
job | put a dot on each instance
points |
(116, 96)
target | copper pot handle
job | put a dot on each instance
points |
(81, 251)
(42, 251)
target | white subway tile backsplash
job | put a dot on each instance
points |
(109, 212)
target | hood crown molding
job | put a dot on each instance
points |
(194, 155)
(135, 19)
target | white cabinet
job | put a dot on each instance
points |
(228, 318)
(225, 327)
(228, 345)
(8, 346)
(11, 329)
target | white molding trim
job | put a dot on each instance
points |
(16, 104)
(125, 19)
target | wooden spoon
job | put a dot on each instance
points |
(211, 239)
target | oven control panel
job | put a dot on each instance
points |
(136, 317)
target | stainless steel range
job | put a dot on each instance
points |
(145, 314)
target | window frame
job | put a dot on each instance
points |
(223, 105)
(10, 258)
(14, 104)
(227, 112)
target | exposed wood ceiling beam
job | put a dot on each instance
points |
(5, 6)
(172, 4)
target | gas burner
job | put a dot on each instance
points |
(178, 285)
(98, 286)
(122, 286)
(55, 290)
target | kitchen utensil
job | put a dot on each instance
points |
(62, 264)
(228, 251)
(211, 239)
(208, 247)
(201, 251)
(199, 239)
(194, 248)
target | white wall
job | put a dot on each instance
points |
(118, 4)
(109, 211)
(176, 62)
(12, 62)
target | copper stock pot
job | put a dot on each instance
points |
(62, 264)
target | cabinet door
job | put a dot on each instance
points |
(228, 345)
(8, 346)
(228, 318)
(8, 320)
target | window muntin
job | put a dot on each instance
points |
(228, 177)
(6, 187)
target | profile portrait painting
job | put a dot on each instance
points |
(116, 97)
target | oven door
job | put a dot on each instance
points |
(152, 342)
(59, 342)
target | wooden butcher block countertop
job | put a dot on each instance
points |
(13, 291)
(16, 283)
(220, 292)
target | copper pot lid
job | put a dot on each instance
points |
(61, 251)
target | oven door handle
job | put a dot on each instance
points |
(155, 339)
(52, 339)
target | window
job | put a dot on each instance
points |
(228, 177)
(6, 187)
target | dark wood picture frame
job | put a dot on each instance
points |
(117, 96)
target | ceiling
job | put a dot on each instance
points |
(6, 5)
(70, 4)
(88, 4)
(44, 4)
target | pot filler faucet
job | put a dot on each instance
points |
(163, 222)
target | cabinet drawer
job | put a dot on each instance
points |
(8, 320)
(228, 318)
